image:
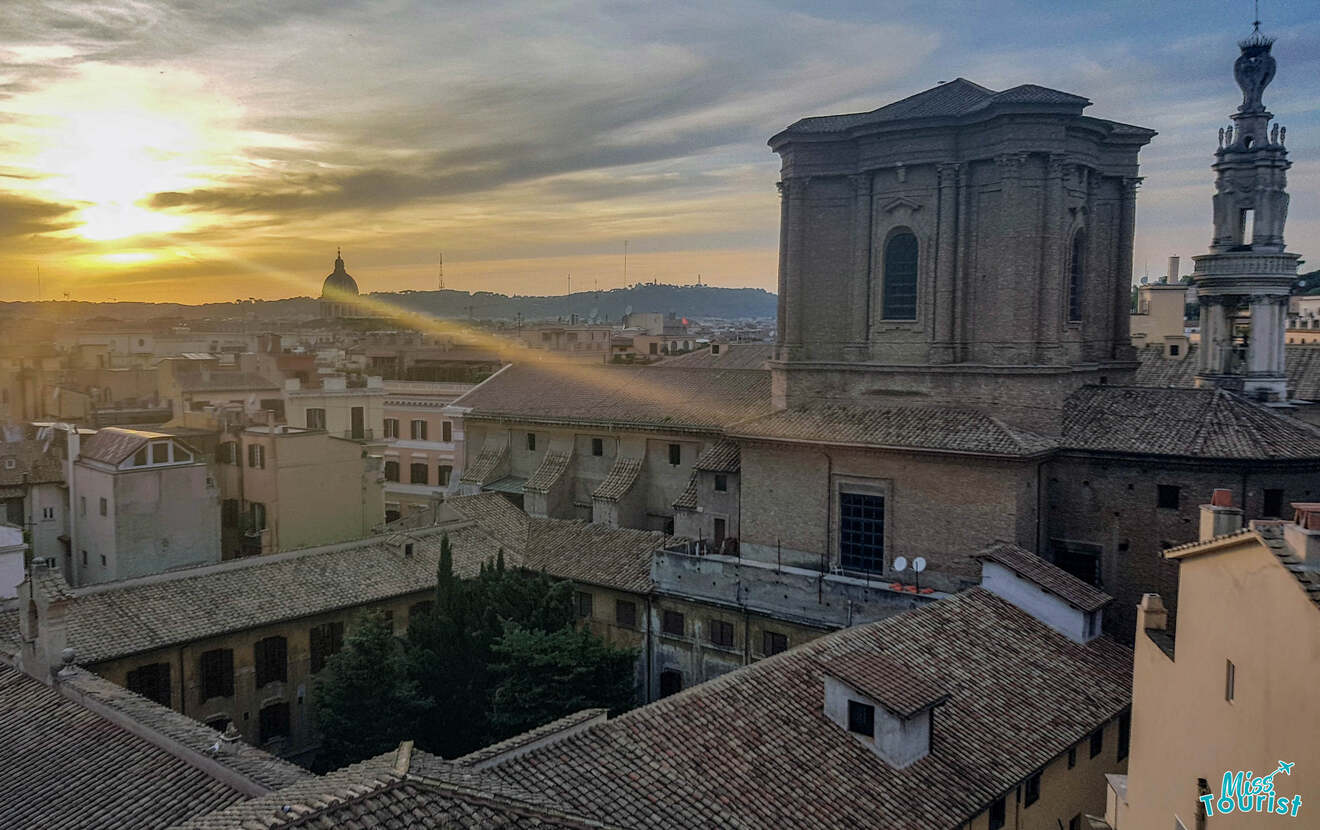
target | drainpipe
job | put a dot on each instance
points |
(650, 656)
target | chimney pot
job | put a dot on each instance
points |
(1222, 497)
(1220, 517)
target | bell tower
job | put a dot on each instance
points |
(1243, 284)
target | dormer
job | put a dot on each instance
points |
(883, 704)
(1045, 591)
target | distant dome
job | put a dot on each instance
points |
(339, 282)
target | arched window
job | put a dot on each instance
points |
(900, 280)
(1076, 277)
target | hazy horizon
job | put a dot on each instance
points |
(153, 153)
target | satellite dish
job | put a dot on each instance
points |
(900, 564)
(919, 564)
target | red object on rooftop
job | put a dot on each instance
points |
(1222, 497)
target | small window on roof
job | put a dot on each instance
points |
(181, 455)
(861, 718)
(160, 452)
(140, 458)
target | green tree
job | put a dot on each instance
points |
(539, 676)
(365, 703)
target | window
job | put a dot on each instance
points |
(714, 348)
(419, 610)
(105, 506)
(419, 473)
(625, 613)
(357, 423)
(718, 539)
(271, 657)
(721, 483)
(862, 532)
(531, 442)
(721, 633)
(391, 471)
(417, 430)
(1097, 741)
(82, 505)
(582, 601)
(103, 560)
(274, 722)
(1072, 757)
(1124, 734)
(772, 642)
(139, 458)
(1167, 498)
(216, 668)
(325, 640)
(597, 447)
(655, 348)
(1076, 277)
(229, 452)
(1090, 625)
(446, 431)
(671, 682)
(84, 557)
(47, 512)
(672, 623)
(256, 456)
(160, 453)
(1230, 680)
(316, 419)
(997, 814)
(1031, 792)
(229, 513)
(1174, 349)
(152, 682)
(861, 718)
(257, 515)
(1273, 507)
(675, 454)
(900, 279)
(391, 427)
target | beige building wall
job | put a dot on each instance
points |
(1238, 604)
(339, 401)
(1158, 322)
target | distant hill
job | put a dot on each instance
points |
(683, 300)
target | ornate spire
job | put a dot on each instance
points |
(339, 259)
(1254, 68)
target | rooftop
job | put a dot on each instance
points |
(1048, 576)
(752, 748)
(731, 356)
(1301, 363)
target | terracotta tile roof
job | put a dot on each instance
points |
(1198, 423)
(261, 768)
(1271, 535)
(1047, 575)
(113, 444)
(591, 553)
(32, 464)
(221, 381)
(486, 466)
(497, 516)
(731, 356)
(552, 467)
(1301, 363)
(720, 457)
(915, 427)
(893, 685)
(142, 614)
(530, 737)
(687, 500)
(959, 97)
(654, 397)
(383, 794)
(753, 749)
(619, 480)
(66, 766)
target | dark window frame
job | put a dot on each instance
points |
(721, 483)
(862, 519)
(1097, 742)
(270, 660)
(673, 623)
(1031, 790)
(531, 442)
(598, 447)
(275, 720)
(153, 681)
(1168, 496)
(901, 280)
(324, 641)
(675, 454)
(861, 718)
(998, 813)
(583, 604)
(625, 613)
(721, 633)
(419, 473)
(773, 642)
(215, 673)
(1077, 277)
(391, 470)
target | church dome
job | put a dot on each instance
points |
(339, 282)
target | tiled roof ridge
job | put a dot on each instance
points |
(623, 473)
(552, 467)
(530, 736)
(1046, 575)
(1307, 578)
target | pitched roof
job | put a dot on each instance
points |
(619, 480)
(687, 500)
(955, 99)
(895, 686)
(395, 790)
(113, 444)
(591, 553)
(33, 464)
(67, 766)
(752, 749)
(1198, 423)
(552, 467)
(655, 397)
(137, 615)
(912, 427)
(486, 465)
(530, 737)
(1270, 535)
(498, 517)
(1047, 575)
(731, 356)
(720, 457)
(1301, 364)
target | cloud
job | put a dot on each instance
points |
(22, 217)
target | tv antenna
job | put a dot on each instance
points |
(442, 272)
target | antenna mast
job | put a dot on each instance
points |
(442, 272)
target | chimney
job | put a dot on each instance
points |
(1151, 613)
(1302, 534)
(1174, 264)
(1220, 517)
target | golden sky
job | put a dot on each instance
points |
(156, 150)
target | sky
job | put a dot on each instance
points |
(195, 151)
